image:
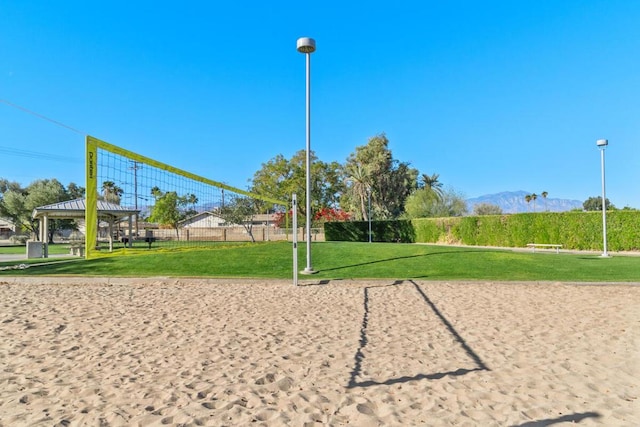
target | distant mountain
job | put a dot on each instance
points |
(514, 202)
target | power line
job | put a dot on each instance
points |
(36, 155)
(40, 116)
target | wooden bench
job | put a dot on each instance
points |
(555, 246)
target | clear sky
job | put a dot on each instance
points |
(492, 95)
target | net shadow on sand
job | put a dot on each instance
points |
(571, 418)
(359, 356)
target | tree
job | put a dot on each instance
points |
(595, 204)
(359, 185)
(424, 204)
(527, 199)
(280, 178)
(431, 183)
(487, 209)
(75, 191)
(241, 210)
(170, 209)
(420, 204)
(534, 196)
(192, 200)
(544, 195)
(391, 181)
(17, 204)
(6, 185)
(111, 192)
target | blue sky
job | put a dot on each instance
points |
(492, 95)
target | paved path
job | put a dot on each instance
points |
(22, 257)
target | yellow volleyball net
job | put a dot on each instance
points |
(134, 202)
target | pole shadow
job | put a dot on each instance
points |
(378, 261)
(322, 282)
(359, 356)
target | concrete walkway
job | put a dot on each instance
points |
(21, 257)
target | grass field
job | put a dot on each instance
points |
(342, 260)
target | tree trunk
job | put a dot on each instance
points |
(363, 208)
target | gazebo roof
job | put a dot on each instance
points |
(71, 209)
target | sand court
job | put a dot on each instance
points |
(116, 352)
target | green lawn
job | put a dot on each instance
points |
(343, 260)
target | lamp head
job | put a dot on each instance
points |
(306, 45)
(602, 143)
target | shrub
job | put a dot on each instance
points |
(19, 239)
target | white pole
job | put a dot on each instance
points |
(308, 268)
(604, 207)
(602, 144)
(294, 205)
(307, 46)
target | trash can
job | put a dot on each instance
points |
(35, 249)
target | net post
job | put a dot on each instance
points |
(294, 205)
(91, 199)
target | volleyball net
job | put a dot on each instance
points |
(135, 202)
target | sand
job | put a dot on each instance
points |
(154, 352)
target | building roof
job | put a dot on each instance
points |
(76, 208)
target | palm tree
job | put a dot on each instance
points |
(192, 199)
(544, 195)
(360, 180)
(534, 196)
(527, 198)
(432, 184)
(111, 192)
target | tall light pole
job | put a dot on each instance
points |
(307, 46)
(602, 144)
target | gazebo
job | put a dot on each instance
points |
(75, 209)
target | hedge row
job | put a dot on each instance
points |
(381, 231)
(573, 230)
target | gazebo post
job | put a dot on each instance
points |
(110, 234)
(44, 233)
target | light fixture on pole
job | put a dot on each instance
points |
(307, 46)
(602, 144)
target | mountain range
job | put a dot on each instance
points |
(514, 202)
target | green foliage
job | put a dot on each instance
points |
(487, 209)
(435, 230)
(421, 204)
(595, 204)
(111, 192)
(432, 184)
(425, 203)
(17, 203)
(573, 230)
(358, 186)
(240, 211)
(372, 168)
(381, 231)
(170, 209)
(280, 178)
